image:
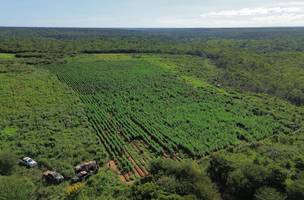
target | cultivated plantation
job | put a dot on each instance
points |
(146, 106)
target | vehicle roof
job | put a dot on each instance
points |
(27, 158)
(49, 172)
(53, 173)
(86, 163)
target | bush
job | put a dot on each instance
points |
(277, 177)
(244, 181)
(219, 169)
(300, 163)
(15, 188)
(73, 190)
(267, 193)
(295, 189)
(145, 191)
(185, 179)
(8, 162)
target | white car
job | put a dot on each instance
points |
(29, 162)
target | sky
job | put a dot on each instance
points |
(152, 13)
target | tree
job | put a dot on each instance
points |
(219, 169)
(244, 181)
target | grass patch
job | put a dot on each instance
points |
(9, 131)
(6, 56)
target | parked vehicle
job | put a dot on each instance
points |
(90, 166)
(81, 176)
(28, 162)
(52, 177)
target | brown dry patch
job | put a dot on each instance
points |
(125, 178)
(137, 170)
(166, 156)
(113, 167)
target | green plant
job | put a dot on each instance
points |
(8, 162)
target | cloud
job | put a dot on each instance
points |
(284, 13)
(290, 3)
(281, 13)
(258, 11)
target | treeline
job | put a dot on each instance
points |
(146, 40)
(246, 66)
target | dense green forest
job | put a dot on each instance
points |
(182, 113)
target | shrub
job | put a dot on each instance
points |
(13, 187)
(267, 193)
(244, 181)
(73, 190)
(7, 163)
(185, 178)
(219, 169)
(295, 189)
(145, 191)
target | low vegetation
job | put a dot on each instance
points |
(269, 169)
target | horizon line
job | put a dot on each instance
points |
(83, 27)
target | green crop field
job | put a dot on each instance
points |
(145, 106)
